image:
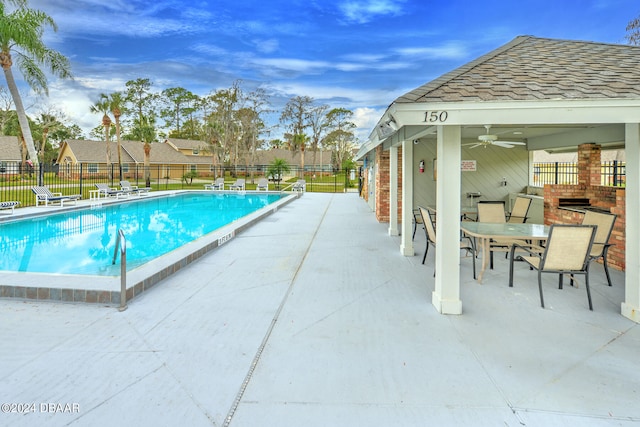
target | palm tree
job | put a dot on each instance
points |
(21, 40)
(116, 105)
(277, 169)
(145, 131)
(103, 107)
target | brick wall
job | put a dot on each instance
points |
(609, 198)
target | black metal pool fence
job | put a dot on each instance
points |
(16, 182)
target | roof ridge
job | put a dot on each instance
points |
(447, 77)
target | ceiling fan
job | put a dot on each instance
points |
(488, 139)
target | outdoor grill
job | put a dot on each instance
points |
(579, 203)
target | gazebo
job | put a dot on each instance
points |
(549, 94)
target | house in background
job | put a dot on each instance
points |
(165, 160)
(10, 155)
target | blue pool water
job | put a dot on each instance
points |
(83, 241)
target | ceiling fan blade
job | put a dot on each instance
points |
(512, 142)
(503, 144)
(473, 145)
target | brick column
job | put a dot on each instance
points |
(382, 185)
(589, 164)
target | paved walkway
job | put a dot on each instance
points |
(313, 318)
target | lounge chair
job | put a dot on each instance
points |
(126, 187)
(46, 197)
(567, 252)
(263, 185)
(238, 185)
(106, 191)
(300, 185)
(218, 184)
(9, 205)
(466, 243)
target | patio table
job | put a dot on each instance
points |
(485, 231)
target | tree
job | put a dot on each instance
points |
(341, 137)
(103, 106)
(318, 125)
(145, 130)
(21, 34)
(295, 116)
(116, 105)
(142, 100)
(277, 169)
(221, 126)
(633, 31)
(179, 105)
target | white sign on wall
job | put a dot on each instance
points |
(468, 166)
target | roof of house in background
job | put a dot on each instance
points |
(132, 152)
(187, 144)
(266, 157)
(532, 68)
(10, 149)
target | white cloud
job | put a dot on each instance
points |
(266, 46)
(447, 51)
(363, 11)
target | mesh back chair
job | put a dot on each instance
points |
(567, 252)
(520, 210)
(493, 211)
(465, 243)
(417, 220)
(601, 244)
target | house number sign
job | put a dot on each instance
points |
(436, 116)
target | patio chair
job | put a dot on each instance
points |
(238, 185)
(106, 191)
(44, 195)
(493, 211)
(601, 245)
(300, 185)
(520, 209)
(218, 184)
(133, 189)
(263, 185)
(466, 243)
(417, 220)
(567, 252)
(9, 205)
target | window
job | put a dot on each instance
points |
(195, 151)
(92, 168)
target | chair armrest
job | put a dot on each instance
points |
(524, 248)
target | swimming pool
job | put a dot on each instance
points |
(83, 241)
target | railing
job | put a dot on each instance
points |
(16, 183)
(612, 174)
(121, 243)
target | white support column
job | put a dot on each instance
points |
(631, 305)
(406, 246)
(393, 191)
(446, 296)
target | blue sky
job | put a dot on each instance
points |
(356, 54)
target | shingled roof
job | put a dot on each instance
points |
(532, 68)
(132, 152)
(10, 149)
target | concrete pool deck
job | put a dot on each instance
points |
(312, 317)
